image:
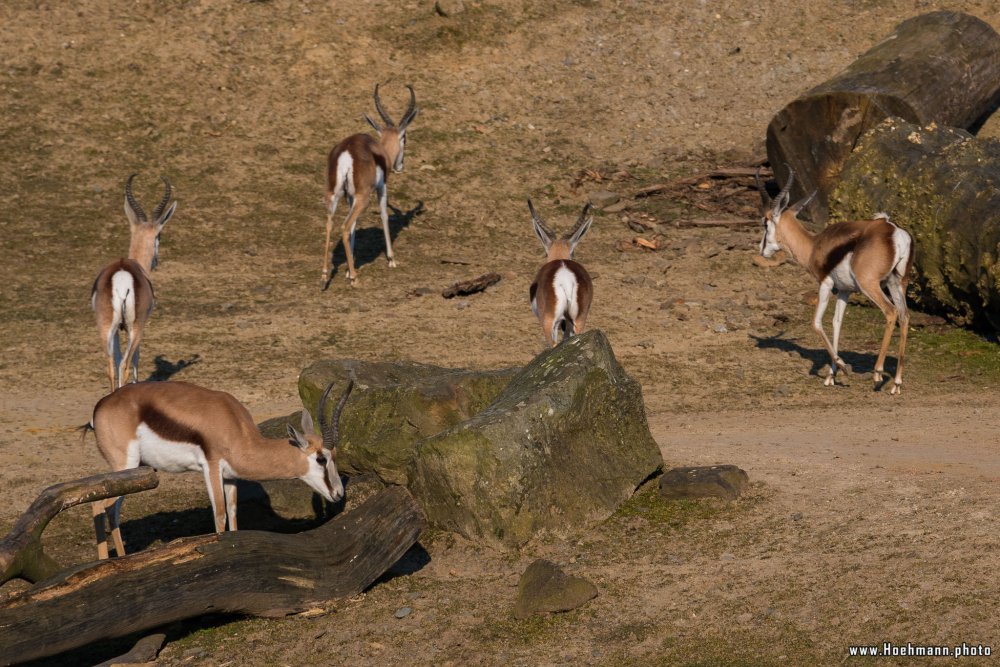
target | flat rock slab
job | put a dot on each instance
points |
(544, 588)
(721, 481)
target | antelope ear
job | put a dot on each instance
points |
(307, 422)
(373, 124)
(169, 213)
(296, 438)
(543, 234)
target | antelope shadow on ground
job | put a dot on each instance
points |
(369, 241)
(859, 362)
(166, 369)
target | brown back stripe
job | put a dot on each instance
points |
(167, 428)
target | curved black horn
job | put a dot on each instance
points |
(765, 199)
(781, 201)
(330, 430)
(386, 118)
(163, 202)
(411, 111)
(130, 199)
(538, 221)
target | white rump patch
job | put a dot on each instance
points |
(882, 215)
(345, 173)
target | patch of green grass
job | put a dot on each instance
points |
(668, 515)
(535, 629)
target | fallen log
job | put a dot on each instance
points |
(21, 553)
(471, 286)
(247, 572)
(941, 67)
(943, 186)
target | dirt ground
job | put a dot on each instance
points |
(871, 518)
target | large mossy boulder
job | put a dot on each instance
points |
(394, 405)
(562, 445)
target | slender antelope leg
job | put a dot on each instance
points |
(100, 529)
(825, 290)
(114, 512)
(873, 290)
(360, 203)
(216, 495)
(331, 208)
(230, 488)
(897, 290)
(383, 205)
(838, 319)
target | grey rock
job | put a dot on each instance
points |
(721, 481)
(603, 198)
(402, 612)
(516, 467)
(544, 588)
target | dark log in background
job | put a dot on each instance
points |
(246, 572)
(943, 186)
(941, 67)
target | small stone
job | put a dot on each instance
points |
(616, 208)
(603, 198)
(721, 481)
(796, 516)
(544, 588)
(462, 305)
(720, 328)
(402, 612)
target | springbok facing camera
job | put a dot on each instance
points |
(562, 290)
(856, 256)
(178, 427)
(122, 294)
(357, 167)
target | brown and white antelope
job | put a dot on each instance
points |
(856, 256)
(562, 290)
(359, 166)
(178, 427)
(122, 294)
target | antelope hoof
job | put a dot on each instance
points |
(843, 366)
(353, 280)
(896, 389)
(392, 263)
(829, 381)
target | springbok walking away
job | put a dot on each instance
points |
(857, 256)
(357, 167)
(562, 290)
(178, 427)
(122, 294)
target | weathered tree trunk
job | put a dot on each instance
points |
(245, 572)
(941, 67)
(21, 553)
(943, 186)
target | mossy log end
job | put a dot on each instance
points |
(246, 572)
(943, 186)
(941, 67)
(21, 553)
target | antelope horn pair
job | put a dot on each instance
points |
(778, 205)
(139, 213)
(329, 429)
(411, 111)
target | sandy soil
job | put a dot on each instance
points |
(871, 518)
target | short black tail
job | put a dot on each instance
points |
(86, 428)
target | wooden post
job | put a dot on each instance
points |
(21, 552)
(941, 67)
(246, 572)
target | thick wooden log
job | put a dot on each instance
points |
(471, 286)
(246, 572)
(941, 67)
(21, 552)
(943, 186)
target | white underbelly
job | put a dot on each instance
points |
(843, 276)
(150, 449)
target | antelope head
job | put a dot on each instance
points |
(145, 244)
(320, 449)
(391, 135)
(774, 211)
(561, 247)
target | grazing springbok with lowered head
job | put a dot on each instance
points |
(178, 427)
(357, 167)
(856, 256)
(562, 290)
(122, 294)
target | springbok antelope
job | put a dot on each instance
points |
(562, 290)
(357, 167)
(122, 294)
(178, 427)
(856, 256)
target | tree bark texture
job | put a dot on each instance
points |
(943, 186)
(941, 67)
(246, 572)
(21, 552)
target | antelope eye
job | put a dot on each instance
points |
(320, 459)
